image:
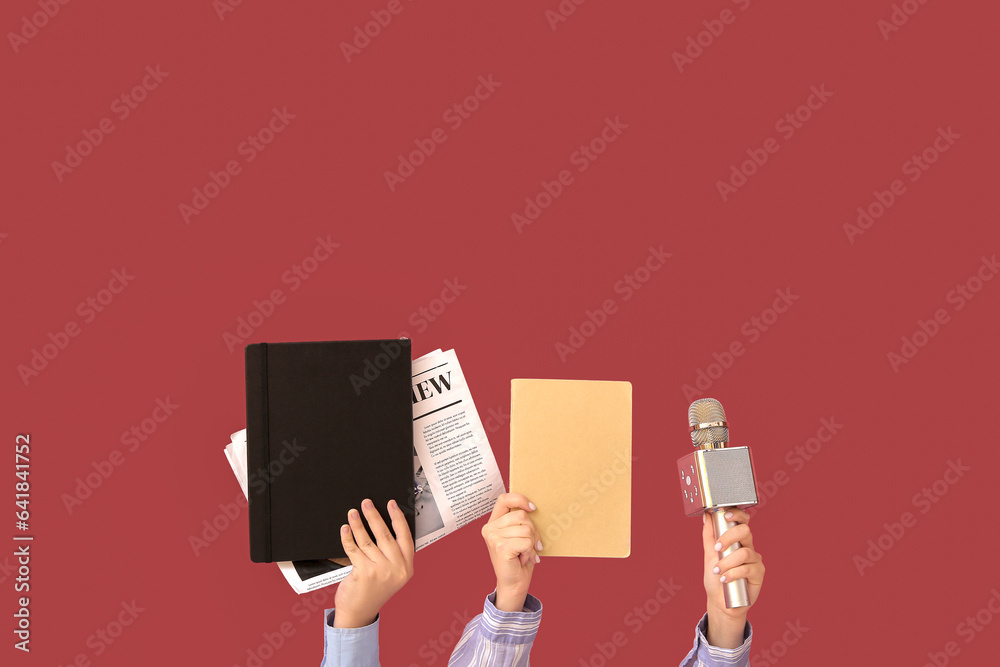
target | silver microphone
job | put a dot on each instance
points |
(716, 477)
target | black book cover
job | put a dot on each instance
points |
(328, 425)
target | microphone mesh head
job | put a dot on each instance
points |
(707, 410)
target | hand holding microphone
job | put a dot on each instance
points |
(743, 566)
(715, 481)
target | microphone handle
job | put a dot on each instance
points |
(735, 592)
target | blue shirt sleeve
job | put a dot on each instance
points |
(349, 647)
(705, 655)
(497, 638)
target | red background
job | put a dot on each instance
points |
(654, 186)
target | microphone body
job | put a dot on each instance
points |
(716, 477)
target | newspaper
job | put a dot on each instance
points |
(456, 479)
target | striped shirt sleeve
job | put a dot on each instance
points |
(705, 655)
(498, 638)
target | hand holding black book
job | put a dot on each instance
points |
(320, 443)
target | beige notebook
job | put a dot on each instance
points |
(571, 455)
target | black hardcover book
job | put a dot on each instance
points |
(328, 425)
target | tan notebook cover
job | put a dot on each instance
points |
(571, 455)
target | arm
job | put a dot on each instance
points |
(503, 634)
(380, 568)
(723, 635)
(498, 638)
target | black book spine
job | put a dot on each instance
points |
(258, 453)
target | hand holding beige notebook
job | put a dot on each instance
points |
(571, 455)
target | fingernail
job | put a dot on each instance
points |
(345, 529)
(729, 515)
(723, 579)
(715, 570)
(392, 504)
(538, 559)
(531, 506)
(353, 513)
(718, 546)
(538, 545)
(367, 504)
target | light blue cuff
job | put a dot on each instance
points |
(349, 647)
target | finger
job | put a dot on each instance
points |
(737, 515)
(357, 558)
(751, 572)
(738, 533)
(380, 531)
(521, 538)
(526, 557)
(738, 557)
(515, 531)
(403, 537)
(513, 518)
(363, 539)
(493, 532)
(509, 501)
(519, 518)
(512, 548)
